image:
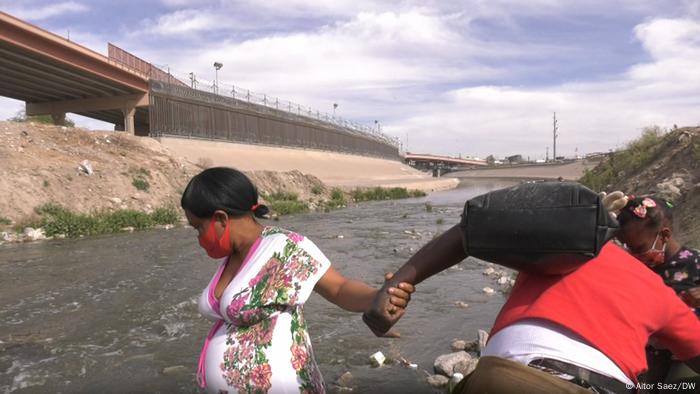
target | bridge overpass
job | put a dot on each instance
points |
(53, 76)
(440, 164)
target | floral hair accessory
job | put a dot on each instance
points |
(641, 210)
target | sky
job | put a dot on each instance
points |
(469, 77)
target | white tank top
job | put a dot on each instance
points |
(530, 339)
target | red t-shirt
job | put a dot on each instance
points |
(615, 303)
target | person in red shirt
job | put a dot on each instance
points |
(573, 333)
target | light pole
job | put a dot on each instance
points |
(217, 67)
(335, 105)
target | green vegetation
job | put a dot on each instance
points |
(428, 207)
(379, 193)
(440, 221)
(637, 154)
(316, 189)
(285, 203)
(55, 220)
(337, 200)
(46, 183)
(5, 221)
(46, 119)
(139, 178)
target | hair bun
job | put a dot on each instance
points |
(260, 210)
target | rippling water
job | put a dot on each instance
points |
(118, 314)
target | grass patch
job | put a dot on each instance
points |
(428, 207)
(316, 190)
(5, 221)
(337, 200)
(380, 193)
(440, 221)
(285, 203)
(638, 154)
(139, 178)
(46, 183)
(55, 220)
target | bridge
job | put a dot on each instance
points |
(440, 164)
(54, 76)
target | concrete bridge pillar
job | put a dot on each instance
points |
(129, 112)
(59, 118)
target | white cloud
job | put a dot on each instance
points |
(41, 12)
(593, 116)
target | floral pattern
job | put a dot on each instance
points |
(253, 313)
(682, 271)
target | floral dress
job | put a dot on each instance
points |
(259, 342)
(682, 271)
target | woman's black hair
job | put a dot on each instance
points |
(655, 216)
(222, 188)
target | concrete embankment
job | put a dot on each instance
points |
(334, 169)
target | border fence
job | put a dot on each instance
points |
(209, 110)
(177, 110)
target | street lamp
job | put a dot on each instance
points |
(217, 67)
(335, 105)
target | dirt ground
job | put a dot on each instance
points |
(42, 163)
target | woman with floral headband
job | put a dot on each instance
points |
(259, 342)
(646, 230)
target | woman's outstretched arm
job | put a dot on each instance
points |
(356, 296)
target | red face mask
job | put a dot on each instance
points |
(653, 256)
(216, 248)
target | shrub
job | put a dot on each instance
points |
(55, 220)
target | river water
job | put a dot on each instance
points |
(118, 314)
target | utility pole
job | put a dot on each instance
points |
(546, 158)
(193, 81)
(554, 132)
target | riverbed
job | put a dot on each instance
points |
(118, 313)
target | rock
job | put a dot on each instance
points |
(340, 236)
(454, 381)
(502, 280)
(168, 226)
(465, 367)
(462, 304)
(86, 167)
(174, 370)
(488, 290)
(115, 200)
(438, 381)
(445, 364)
(483, 338)
(345, 380)
(472, 346)
(128, 229)
(34, 234)
(489, 271)
(458, 345)
(8, 237)
(377, 359)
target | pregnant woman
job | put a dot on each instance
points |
(259, 342)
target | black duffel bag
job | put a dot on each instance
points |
(537, 227)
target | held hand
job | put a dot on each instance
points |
(692, 297)
(383, 313)
(400, 295)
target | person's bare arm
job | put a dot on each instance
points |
(436, 256)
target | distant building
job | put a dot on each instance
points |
(515, 159)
